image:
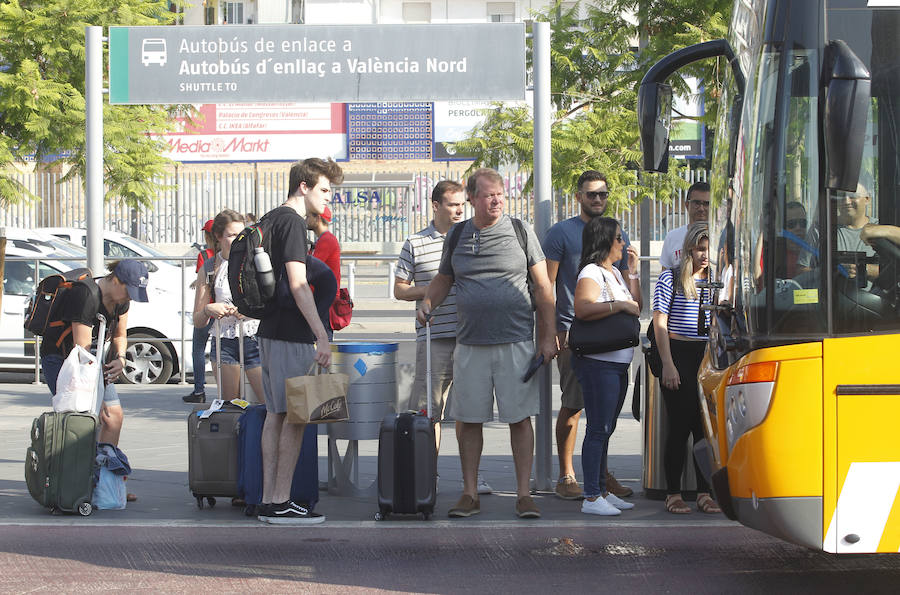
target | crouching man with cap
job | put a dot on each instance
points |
(110, 296)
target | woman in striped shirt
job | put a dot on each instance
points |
(680, 331)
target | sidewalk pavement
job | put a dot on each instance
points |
(154, 437)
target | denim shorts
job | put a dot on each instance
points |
(231, 354)
(51, 365)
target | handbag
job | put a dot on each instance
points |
(616, 331)
(653, 359)
(317, 398)
(341, 310)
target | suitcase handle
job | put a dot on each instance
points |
(428, 368)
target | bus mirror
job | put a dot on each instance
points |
(848, 92)
(655, 120)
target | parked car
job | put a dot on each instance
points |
(158, 324)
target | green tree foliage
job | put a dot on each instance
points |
(42, 105)
(595, 75)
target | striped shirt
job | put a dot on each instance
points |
(418, 264)
(684, 312)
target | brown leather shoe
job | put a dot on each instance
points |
(466, 506)
(612, 485)
(527, 509)
(567, 488)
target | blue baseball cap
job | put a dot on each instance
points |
(134, 274)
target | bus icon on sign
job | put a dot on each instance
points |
(153, 51)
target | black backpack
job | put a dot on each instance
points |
(252, 298)
(43, 311)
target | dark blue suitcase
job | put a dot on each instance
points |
(305, 487)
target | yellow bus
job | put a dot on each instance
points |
(800, 387)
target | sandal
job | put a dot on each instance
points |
(706, 504)
(676, 505)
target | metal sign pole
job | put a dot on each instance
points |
(543, 189)
(93, 96)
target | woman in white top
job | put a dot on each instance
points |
(226, 227)
(601, 291)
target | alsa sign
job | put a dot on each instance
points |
(341, 63)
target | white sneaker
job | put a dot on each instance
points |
(618, 502)
(599, 506)
(482, 487)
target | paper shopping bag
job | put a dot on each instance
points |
(317, 398)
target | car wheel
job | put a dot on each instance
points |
(147, 362)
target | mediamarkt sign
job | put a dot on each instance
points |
(261, 132)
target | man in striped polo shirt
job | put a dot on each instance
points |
(417, 266)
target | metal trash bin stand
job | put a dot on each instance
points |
(654, 430)
(372, 394)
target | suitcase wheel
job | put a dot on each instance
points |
(426, 516)
(382, 514)
(211, 501)
(85, 509)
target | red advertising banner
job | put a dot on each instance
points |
(262, 132)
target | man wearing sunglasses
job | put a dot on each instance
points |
(562, 247)
(697, 202)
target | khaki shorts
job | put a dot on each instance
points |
(441, 375)
(568, 383)
(481, 372)
(282, 360)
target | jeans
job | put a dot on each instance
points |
(198, 353)
(603, 385)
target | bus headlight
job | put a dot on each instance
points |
(748, 395)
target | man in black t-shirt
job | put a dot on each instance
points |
(109, 296)
(292, 337)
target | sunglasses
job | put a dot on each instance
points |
(700, 203)
(592, 195)
(476, 246)
(796, 223)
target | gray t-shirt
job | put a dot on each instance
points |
(490, 269)
(848, 240)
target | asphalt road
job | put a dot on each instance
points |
(509, 558)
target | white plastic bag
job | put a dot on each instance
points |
(76, 386)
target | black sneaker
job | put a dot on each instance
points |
(194, 398)
(262, 512)
(289, 513)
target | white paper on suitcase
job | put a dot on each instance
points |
(76, 385)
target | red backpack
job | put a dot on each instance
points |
(341, 310)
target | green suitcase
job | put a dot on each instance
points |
(59, 464)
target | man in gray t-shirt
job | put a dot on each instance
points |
(494, 339)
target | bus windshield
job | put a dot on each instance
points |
(865, 223)
(816, 261)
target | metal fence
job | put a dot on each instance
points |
(374, 210)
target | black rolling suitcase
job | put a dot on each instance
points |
(60, 463)
(407, 459)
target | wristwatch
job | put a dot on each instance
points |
(630, 276)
